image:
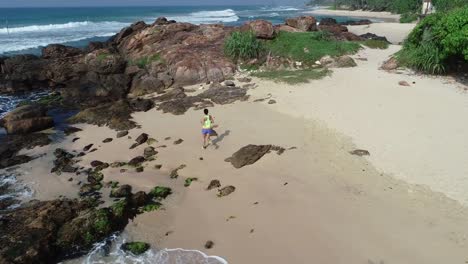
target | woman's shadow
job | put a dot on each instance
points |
(219, 138)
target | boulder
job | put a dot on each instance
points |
(145, 85)
(135, 162)
(142, 138)
(345, 62)
(149, 152)
(303, 23)
(27, 119)
(390, 64)
(121, 191)
(327, 21)
(57, 51)
(263, 29)
(248, 155)
(225, 191)
(213, 184)
(286, 28)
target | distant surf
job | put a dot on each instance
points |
(27, 30)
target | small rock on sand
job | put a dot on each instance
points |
(122, 134)
(214, 184)
(272, 102)
(360, 152)
(107, 140)
(177, 142)
(142, 138)
(225, 191)
(75, 139)
(158, 166)
(403, 83)
(209, 244)
(87, 147)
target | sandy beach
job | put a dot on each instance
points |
(316, 202)
(380, 16)
(394, 32)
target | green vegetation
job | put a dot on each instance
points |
(375, 44)
(102, 56)
(118, 208)
(408, 17)
(243, 46)
(439, 39)
(189, 181)
(447, 5)
(101, 222)
(308, 47)
(152, 206)
(292, 76)
(136, 248)
(144, 61)
(160, 192)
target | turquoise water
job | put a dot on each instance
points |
(26, 30)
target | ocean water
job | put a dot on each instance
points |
(26, 30)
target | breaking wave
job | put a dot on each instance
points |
(201, 17)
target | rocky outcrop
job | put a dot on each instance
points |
(26, 119)
(356, 22)
(303, 23)
(261, 28)
(55, 51)
(374, 37)
(248, 155)
(390, 64)
(339, 62)
(10, 145)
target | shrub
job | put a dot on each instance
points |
(144, 61)
(446, 5)
(438, 39)
(136, 248)
(160, 192)
(243, 46)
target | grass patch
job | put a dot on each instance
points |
(189, 181)
(375, 44)
(243, 46)
(153, 206)
(118, 208)
(292, 76)
(144, 61)
(308, 47)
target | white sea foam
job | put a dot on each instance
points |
(65, 26)
(109, 252)
(201, 17)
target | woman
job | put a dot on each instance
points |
(207, 128)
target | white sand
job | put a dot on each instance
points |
(394, 32)
(413, 133)
(382, 16)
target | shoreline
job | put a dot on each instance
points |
(383, 16)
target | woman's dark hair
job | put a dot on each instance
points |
(205, 111)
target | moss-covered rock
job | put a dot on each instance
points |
(136, 248)
(160, 192)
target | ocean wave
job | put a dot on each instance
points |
(200, 17)
(279, 9)
(65, 26)
(109, 251)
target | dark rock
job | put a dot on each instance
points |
(149, 152)
(373, 37)
(142, 138)
(135, 162)
(139, 199)
(225, 191)
(158, 166)
(134, 145)
(107, 140)
(121, 191)
(141, 105)
(360, 152)
(15, 160)
(88, 147)
(272, 101)
(96, 163)
(248, 155)
(328, 21)
(390, 64)
(214, 184)
(57, 51)
(224, 95)
(357, 23)
(209, 244)
(179, 141)
(71, 130)
(75, 139)
(122, 134)
(139, 169)
(146, 84)
(229, 83)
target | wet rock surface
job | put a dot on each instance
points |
(250, 154)
(26, 119)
